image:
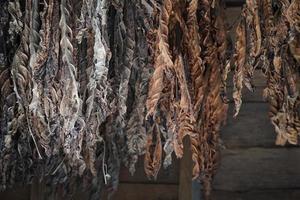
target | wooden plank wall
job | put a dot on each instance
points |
(136, 187)
(252, 166)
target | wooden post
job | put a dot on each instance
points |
(36, 190)
(185, 172)
(40, 191)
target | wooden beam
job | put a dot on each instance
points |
(234, 3)
(252, 127)
(185, 172)
(276, 194)
(36, 190)
(258, 169)
(130, 191)
(18, 192)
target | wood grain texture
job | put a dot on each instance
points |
(234, 3)
(37, 190)
(251, 128)
(258, 169)
(258, 195)
(146, 192)
(16, 193)
(185, 176)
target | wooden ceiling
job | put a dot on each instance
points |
(234, 3)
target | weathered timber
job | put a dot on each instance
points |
(290, 194)
(185, 176)
(129, 191)
(259, 168)
(251, 128)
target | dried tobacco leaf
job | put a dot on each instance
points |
(240, 63)
(280, 62)
(76, 75)
(189, 101)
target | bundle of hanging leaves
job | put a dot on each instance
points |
(74, 78)
(268, 37)
(187, 89)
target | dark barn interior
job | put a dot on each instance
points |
(252, 166)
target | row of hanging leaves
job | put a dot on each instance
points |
(268, 37)
(187, 89)
(75, 77)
